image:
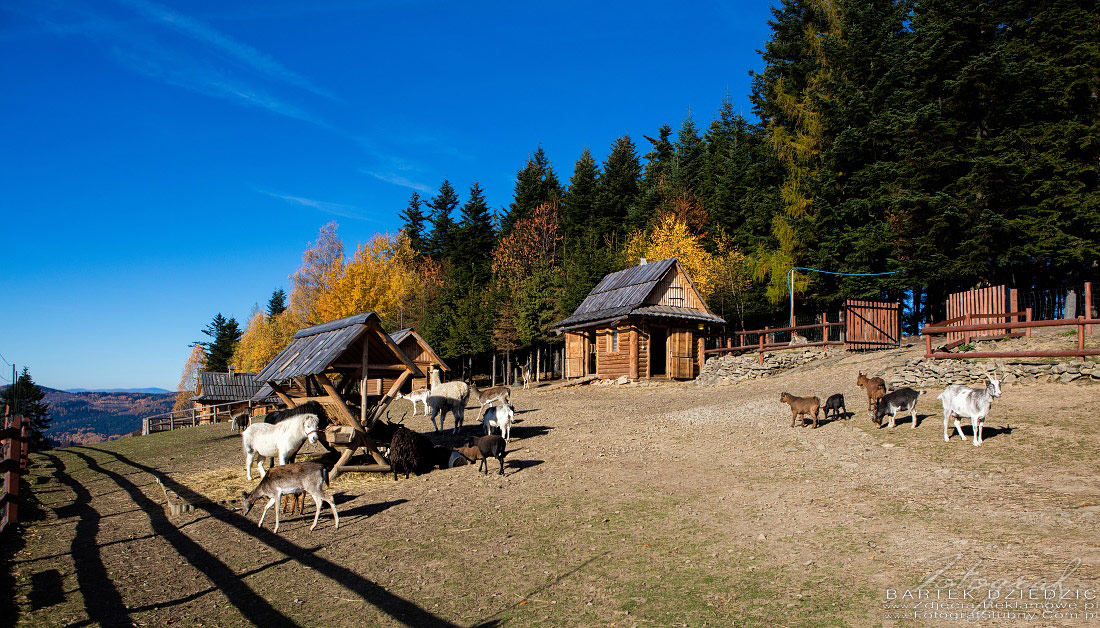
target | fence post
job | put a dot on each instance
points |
(1081, 337)
(194, 419)
(762, 337)
(1013, 306)
(927, 346)
(1088, 305)
(966, 334)
(1027, 318)
(11, 471)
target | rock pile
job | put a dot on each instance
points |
(736, 368)
(929, 373)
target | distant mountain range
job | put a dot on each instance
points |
(94, 416)
(150, 391)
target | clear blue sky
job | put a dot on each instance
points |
(165, 161)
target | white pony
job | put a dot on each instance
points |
(283, 439)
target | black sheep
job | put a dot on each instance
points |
(836, 404)
(413, 452)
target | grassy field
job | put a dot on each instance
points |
(655, 505)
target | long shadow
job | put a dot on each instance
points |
(489, 621)
(988, 431)
(102, 601)
(367, 510)
(398, 608)
(520, 465)
(529, 431)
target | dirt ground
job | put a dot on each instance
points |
(622, 505)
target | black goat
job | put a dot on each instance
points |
(901, 400)
(836, 404)
(483, 447)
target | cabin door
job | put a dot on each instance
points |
(680, 362)
(592, 347)
(658, 356)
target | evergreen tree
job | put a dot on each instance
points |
(25, 398)
(579, 201)
(469, 330)
(441, 241)
(224, 335)
(276, 305)
(536, 183)
(412, 222)
(618, 191)
(686, 175)
(474, 241)
(655, 190)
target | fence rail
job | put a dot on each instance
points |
(190, 417)
(764, 335)
(1081, 322)
(14, 464)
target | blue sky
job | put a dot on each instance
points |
(165, 161)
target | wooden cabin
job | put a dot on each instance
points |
(353, 369)
(422, 355)
(648, 321)
(218, 396)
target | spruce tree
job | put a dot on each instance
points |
(412, 222)
(474, 241)
(441, 241)
(25, 397)
(655, 190)
(686, 175)
(224, 335)
(536, 183)
(618, 191)
(579, 201)
(276, 304)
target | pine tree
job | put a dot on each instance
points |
(686, 174)
(536, 184)
(579, 201)
(655, 185)
(225, 334)
(618, 191)
(276, 305)
(468, 332)
(441, 241)
(25, 398)
(412, 222)
(474, 241)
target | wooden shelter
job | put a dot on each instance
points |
(642, 322)
(221, 395)
(354, 369)
(421, 353)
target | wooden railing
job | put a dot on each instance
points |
(1084, 327)
(965, 338)
(189, 417)
(13, 465)
(764, 334)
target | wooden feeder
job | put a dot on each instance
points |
(354, 369)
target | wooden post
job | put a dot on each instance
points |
(762, 337)
(633, 368)
(494, 370)
(1088, 305)
(1013, 306)
(967, 335)
(927, 346)
(1081, 337)
(1027, 318)
(363, 381)
(701, 346)
(825, 332)
(11, 473)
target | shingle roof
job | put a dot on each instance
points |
(220, 387)
(625, 292)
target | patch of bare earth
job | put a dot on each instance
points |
(670, 504)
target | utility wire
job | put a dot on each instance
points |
(5, 360)
(790, 278)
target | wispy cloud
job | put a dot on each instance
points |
(336, 209)
(153, 41)
(397, 179)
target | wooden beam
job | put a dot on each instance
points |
(282, 395)
(341, 408)
(363, 378)
(384, 403)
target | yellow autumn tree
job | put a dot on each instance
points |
(670, 237)
(189, 379)
(379, 278)
(320, 263)
(264, 339)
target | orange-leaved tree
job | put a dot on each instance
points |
(670, 237)
(189, 379)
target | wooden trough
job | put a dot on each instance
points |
(354, 369)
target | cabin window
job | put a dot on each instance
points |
(615, 340)
(676, 296)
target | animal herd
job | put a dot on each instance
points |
(282, 433)
(958, 401)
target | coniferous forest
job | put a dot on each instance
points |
(955, 142)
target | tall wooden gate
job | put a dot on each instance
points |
(870, 325)
(984, 301)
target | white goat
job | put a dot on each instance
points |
(960, 401)
(489, 396)
(420, 395)
(499, 417)
(528, 376)
(292, 479)
(283, 439)
(447, 396)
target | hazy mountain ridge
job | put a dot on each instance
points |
(150, 391)
(88, 417)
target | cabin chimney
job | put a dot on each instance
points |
(641, 261)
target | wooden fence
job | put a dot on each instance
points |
(189, 417)
(1083, 326)
(13, 465)
(870, 325)
(766, 336)
(979, 302)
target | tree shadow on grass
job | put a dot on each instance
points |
(493, 620)
(252, 606)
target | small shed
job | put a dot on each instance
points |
(648, 321)
(421, 353)
(221, 395)
(353, 368)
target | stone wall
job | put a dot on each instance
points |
(929, 373)
(736, 368)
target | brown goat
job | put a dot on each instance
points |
(801, 406)
(484, 447)
(875, 387)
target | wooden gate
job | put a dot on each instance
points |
(575, 354)
(870, 325)
(680, 362)
(984, 301)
